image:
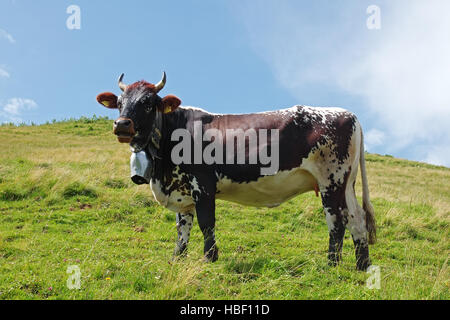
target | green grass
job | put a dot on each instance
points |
(66, 199)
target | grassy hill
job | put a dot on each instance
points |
(66, 199)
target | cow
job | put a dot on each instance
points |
(319, 149)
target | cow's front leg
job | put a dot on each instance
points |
(184, 226)
(206, 216)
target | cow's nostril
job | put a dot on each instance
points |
(122, 123)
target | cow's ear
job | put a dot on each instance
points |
(169, 104)
(107, 99)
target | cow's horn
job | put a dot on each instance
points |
(122, 85)
(161, 84)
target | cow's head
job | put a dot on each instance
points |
(138, 105)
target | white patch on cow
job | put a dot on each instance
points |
(323, 110)
(180, 203)
(356, 216)
(289, 112)
(285, 111)
(331, 219)
(202, 110)
(158, 194)
(176, 201)
(314, 113)
(195, 191)
(267, 191)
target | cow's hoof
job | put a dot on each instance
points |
(180, 252)
(363, 264)
(180, 256)
(212, 255)
(334, 259)
(333, 263)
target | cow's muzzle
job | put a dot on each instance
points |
(124, 130)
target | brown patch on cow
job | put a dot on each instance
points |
(124, 136)
(344, 127)
(108, 100)
(315, 135)
(141, 84)
(169, 103)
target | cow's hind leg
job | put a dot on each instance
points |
(333, 200)
(184, 226)
(357, 227)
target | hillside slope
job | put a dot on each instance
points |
(66, 199)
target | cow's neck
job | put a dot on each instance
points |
(159, 145)
(154, 145)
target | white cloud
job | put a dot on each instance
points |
(4, 73)
(7, 36)
(401, 72)
(405, 77)
(15, 108)
(438, 156)
(374, 138)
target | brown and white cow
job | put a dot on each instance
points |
(319, 149)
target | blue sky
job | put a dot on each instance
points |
(239, 56)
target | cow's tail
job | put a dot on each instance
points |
(367, 206)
